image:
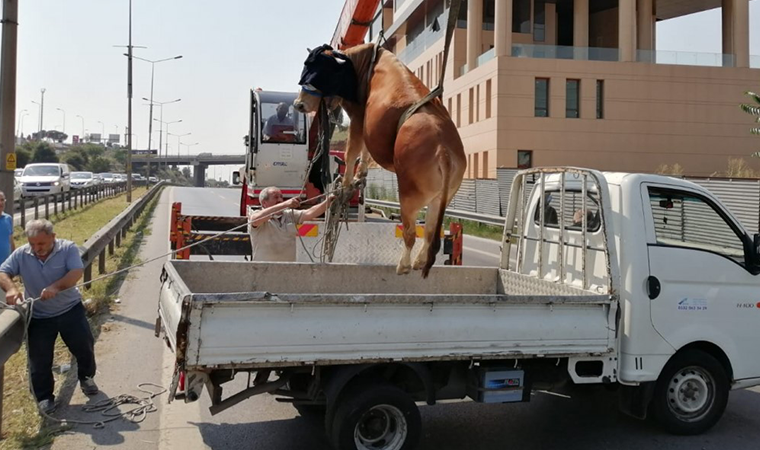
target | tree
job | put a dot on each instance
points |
(186, 173)
(99, 164)
(754, 111)
(56, 135)
(75, 160)
(43, 152)
(93, 151)
(23, 156)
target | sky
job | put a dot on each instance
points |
(229, 47)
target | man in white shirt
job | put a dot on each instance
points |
(278, 124)
(273, 228)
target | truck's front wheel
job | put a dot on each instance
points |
(691, 393)
(376, 417)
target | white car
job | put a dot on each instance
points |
(45, 178)
(107, 177)
(17, 193)
(82, 180)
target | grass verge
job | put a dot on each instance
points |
(22, 426)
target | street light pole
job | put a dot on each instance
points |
(188, 148)
(39, 115)
(152, 72)
(42, 106)
(81, 137)
(129, 109)
(102, 131)
(21, 115)
(166, 151)
(161, 105)
(64, 119)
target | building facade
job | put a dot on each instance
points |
(578, 82)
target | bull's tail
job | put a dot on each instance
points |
(435, 245)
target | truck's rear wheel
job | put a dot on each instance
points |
(376, 417)
(691, 393)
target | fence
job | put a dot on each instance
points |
(11, 327)
(490, 197)
(73, 199)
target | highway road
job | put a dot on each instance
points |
(129, 354)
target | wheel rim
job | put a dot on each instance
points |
(382, 427)
(691, 393)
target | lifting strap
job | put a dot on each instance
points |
(438, 91)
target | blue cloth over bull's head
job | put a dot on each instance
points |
(332, 74)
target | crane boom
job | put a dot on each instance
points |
(354, 22)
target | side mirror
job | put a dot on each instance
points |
(236, 177)
(756, 248)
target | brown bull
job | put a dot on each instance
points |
(425, 152)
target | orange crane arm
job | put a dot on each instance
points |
(353, 23)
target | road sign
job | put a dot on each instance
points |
(145, 152)
(10, 161)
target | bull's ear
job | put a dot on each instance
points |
(308, 50)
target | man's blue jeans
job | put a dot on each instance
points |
(75, 332)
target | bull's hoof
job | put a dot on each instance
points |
(419, 264)
(403, 270)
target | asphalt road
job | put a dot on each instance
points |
(129, 354)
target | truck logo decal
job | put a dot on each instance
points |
(745, 305)
(280, 163)
(692, 304)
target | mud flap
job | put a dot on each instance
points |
(635, 400)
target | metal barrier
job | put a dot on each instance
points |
(455, 213)
(12, 328)
(73, 199)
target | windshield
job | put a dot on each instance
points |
(282, 124)
(81, 175)
(106, 175)
(42, 171)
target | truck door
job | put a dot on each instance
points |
(282, 156)
(700, 288)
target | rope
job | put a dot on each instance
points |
(145, 405)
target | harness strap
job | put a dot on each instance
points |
(438, 91)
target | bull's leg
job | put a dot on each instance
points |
(363, 169)
(431, 219)
(410, 206)
(354, 148)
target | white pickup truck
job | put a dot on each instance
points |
(644, 283)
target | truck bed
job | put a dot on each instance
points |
(247, 315)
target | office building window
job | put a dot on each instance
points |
(600, 99)
(524, 159)
(573, 103)
(489, 14)
(542, 97)
(521, 16)
(539, 21)
(462, 19)
(488, 99)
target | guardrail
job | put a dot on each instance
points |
(455, 213)
(73, 199)
(12, 328)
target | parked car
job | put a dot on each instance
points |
(119, 177)
(17, 173)
(153, 179)
(98, 179)
(17, 194)
(82, 180)
(45, 178)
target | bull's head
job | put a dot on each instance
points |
(326, 73)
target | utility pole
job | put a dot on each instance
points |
(8, 109)
(129, 109)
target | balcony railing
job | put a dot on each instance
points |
(685, 58)
(564, 52)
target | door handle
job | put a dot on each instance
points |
(653, 287)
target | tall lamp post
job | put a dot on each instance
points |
(64, 120)
(20, 130)
(161, 120)
(102, 131)
(188, 147)
(39, 118)
(81, 137)
(42, 106)
(152, 71)
(166, 150)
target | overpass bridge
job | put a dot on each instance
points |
(199, 162)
